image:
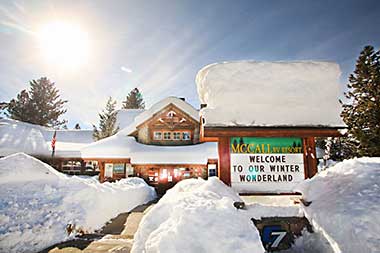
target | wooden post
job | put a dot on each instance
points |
(101, 171)
(305, 158)
(82, 167)
(224, 160)
(312, 157)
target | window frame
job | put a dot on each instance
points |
(183, 135)
(154, 135)
(179, 136)
(169, 134)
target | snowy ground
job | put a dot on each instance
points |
(37, 202)
(346, 204)
(197, 216)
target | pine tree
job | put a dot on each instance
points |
(134, 100)
(362, 112)
(107, 121)
(3, 107)
(77, 126)
(40, 105)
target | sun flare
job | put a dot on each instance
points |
(63, 44)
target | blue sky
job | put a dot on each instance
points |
(158, 46)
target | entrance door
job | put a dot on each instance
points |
(108, 170)
(163, 175)
(153, 176)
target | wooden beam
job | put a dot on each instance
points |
(210, 132)
(224, 160)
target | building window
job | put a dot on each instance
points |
(129, 170)
(212, 170)
(176, 135)
(118, 168)
(171, 114)
(157, 135)
(186, 136)
(167, 135)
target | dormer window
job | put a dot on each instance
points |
(182, 120)
(171, 114)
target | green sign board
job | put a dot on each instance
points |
(254, 145)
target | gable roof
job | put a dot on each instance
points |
(125, 117)
(157, 107)
(270, 94)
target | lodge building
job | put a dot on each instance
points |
(160, 144)
(255, 145)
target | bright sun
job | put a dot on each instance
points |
(64, 44)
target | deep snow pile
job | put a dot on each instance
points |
(37, 202)
(197, 216)
(345, 204)
(254, 93)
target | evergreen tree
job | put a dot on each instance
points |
(77, 126)
(3, 107)
(40, 105)
(107, 121)
(362, 111)
(134, 100)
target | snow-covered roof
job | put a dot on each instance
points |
(17, 136)
(120, 146)
(270, 94)
(125, 117)
(146, 115)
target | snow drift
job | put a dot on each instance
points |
(345, 204)
(17, 136)
(37, 202)
(197, 216)
(252, 93)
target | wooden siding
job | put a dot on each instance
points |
(163, 123)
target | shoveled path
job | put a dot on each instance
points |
(115, 236)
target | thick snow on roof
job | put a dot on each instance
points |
(17, 136)
(126, 117)
(345, 204)
(144, 116)
(120, 146)
(252, 93)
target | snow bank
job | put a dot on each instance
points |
(345, 204)
(197, 216)
(252, 93)
(37, 202)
